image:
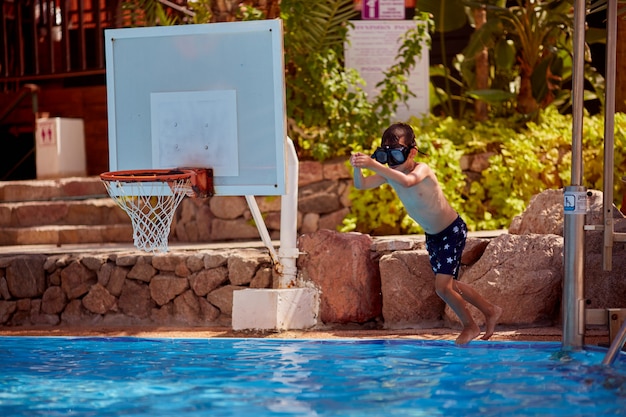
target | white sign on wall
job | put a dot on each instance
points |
(372, 48)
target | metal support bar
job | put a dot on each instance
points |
(615, 347)
(573, 229)
(573, 288)
(261, 227)
(609, 133)
(288, 251)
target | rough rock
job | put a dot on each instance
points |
(342, 267)
(25, 277)
(75, 313)
(167, 262)
(142, 271)
(262, 278)
(135, 299)
(4, 289)
(53, 300)
(228, 207)
(222, 298)
(321, 197)
(7, 308)
(232, 229)
(164, 288)
(243, 265)
(309, 172)
(408, 289)
(76, 280)
(99, 300)
(544, 214)
(207, 280)
(602, 289)
(186, 308)
(116, 280)
(38, 317)
(523, 275)
(474, 249)
(195, 263)
(216, 259)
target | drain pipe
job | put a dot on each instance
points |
(575, 202)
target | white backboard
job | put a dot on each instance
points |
(201, 96)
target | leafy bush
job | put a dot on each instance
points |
(328, 112)
(524, 163)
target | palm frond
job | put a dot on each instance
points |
(321, 24)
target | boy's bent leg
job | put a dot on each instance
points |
(445, 290)
(491, 311)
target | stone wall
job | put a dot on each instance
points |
(125, 289)
(322, 204)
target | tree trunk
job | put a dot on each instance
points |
(526, 103)
(481, 69)
(620, 64)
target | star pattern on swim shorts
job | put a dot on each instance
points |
(449, 249)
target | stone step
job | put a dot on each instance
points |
(94, 211)
(64, 235)
(73, 188)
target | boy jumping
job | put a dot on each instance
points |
(417, 187)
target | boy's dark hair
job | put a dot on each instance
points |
(392, 135)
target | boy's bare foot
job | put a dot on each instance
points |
(491, 321)
(468, 334)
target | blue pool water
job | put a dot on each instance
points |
(277, 377)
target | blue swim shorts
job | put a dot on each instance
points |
(446, 247)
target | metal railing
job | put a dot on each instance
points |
(50, 39)
(616, 346)
(28, 90)
(60, 39)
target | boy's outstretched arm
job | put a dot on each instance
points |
(362, 182)
(386, 174)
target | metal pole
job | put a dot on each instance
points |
(609, 133)
(574, 219)
(288, 252)
(574, 258)
(616, 346)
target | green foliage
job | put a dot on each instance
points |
(523, 162)
(201, 10)
(530, 46)
(328, 112)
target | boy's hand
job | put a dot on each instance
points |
(360, 160)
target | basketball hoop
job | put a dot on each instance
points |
(151, 197)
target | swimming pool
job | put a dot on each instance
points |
(59, 376)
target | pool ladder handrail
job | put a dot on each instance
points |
(616, 346)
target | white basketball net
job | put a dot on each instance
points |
(151, 207)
